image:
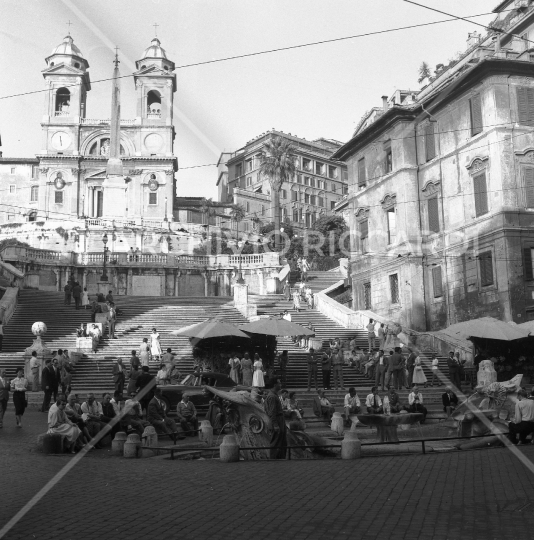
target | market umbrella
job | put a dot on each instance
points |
(211, 328)
(276, 327)
(488, 328)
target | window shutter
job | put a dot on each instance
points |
(433, 214)
(437, 282)
(486, 269)
(476, 114)
(430, 142)
(525, 105)
(364, 229)
(362, 180)
(481, 195)
(529, 186)
(529, 274)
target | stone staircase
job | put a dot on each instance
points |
(140, 314)
(318, 281)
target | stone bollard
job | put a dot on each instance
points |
(150, 437)
(117, 446)
(337, 424)
(132, 446)
(351, 447)
(52, 443)
(205, 433)
(229, 449)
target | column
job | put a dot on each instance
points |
(84, 278)
(206, 284)
(91, 201)
(129, 282)
(177, 275)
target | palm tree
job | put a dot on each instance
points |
(238, 214)
(277, 162)
(206, 206)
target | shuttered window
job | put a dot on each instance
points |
(362, 179)
(529, 187)
(433, 214)
(367, 303)
(475, 104)
(364, 235)
(525, 105)
(437, 282)
(486, 268)
(528, 254)
(394, 288)
(481, 194)
(430, 142)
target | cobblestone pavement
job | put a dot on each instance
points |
(485, 494)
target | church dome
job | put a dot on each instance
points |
(67, 47)
(155, 50)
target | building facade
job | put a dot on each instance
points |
(319, 184)
(441, 189)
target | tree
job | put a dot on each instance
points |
(278, 163)
(206, 206)
(424, 72)
(331, 229)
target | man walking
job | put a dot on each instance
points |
(77, 295)
(4, 395)
(326, 365)
(523, 423)
(118, 375)
(68, 292)
(112, 320)
(338, 369)
(273, 409)
(454, 371)
(311, 361)
(48, 377)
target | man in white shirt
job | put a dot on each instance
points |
(371, 334)
(374, 402)
(93, 412)
(286, 315)
(415, 403)
(380, 370)
(523, 423)
(352, 404)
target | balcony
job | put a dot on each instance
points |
(105, 122)
(62, 113)
(154, 116)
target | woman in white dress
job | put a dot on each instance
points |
(155, 346)
(144, 352)
(419, 376)
(234, 364)
(85, 298)
(257, 379)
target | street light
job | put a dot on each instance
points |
(165, 219)
(105, 241)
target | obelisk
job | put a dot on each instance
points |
(114, 185)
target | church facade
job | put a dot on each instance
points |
(69, 181)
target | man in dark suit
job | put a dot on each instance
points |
(77, 295)
(449, 400)
(143, 380)
(48, 377)
(394, 365)
(118, 375)
(157, 417)
(4, 394)
(454, 371)
(56, 381)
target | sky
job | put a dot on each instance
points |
(311, 92)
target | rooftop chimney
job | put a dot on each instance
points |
(473, 38)
(385, 103)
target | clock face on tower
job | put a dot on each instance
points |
(61, 140)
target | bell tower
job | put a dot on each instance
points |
(155, 81)
(67, 82)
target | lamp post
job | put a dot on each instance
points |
(105, 241)
(240, 280)
(165, 219)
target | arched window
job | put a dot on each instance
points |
(32, 216)
(101, 148)
(62, 102)
(153, 102)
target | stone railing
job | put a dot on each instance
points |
(339, 313)
(8, 304)
(105, 121)
(24, 254)
(102, 223)
(62, 113)
(424, 341)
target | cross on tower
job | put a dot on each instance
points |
(116, 61)
(156, 29)
(69, 25)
